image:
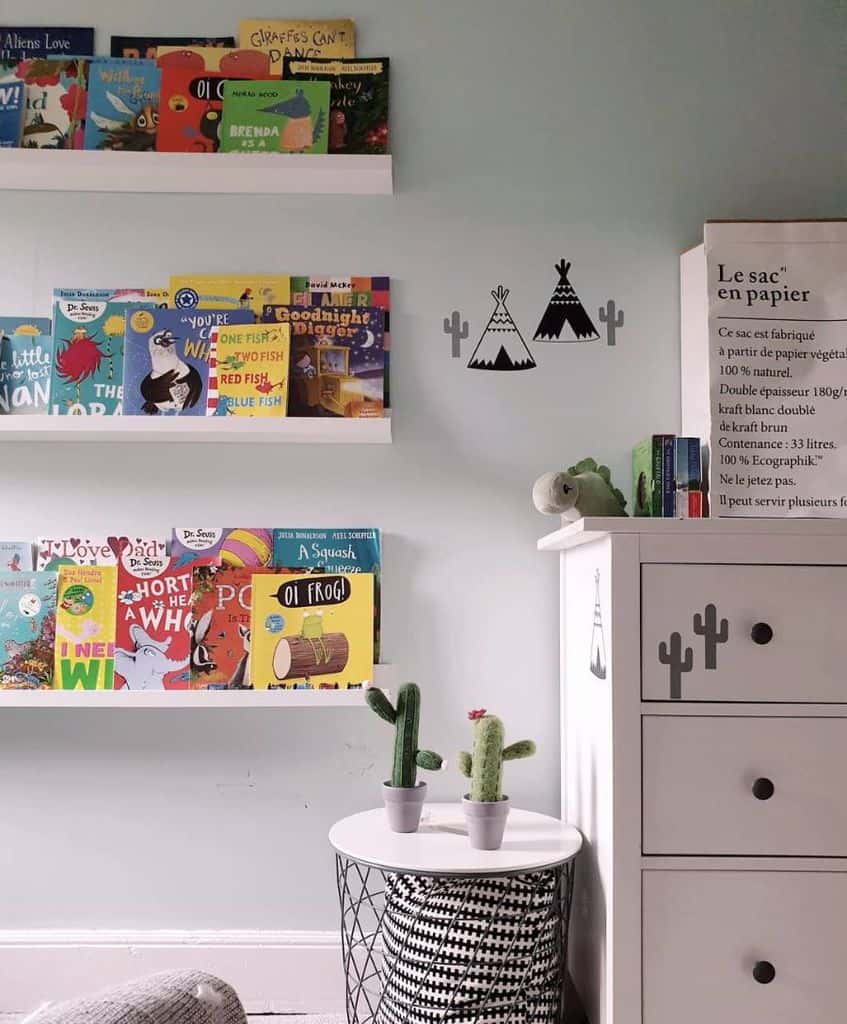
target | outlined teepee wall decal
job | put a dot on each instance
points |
(565, 318)
(598, 643)
(501, 346)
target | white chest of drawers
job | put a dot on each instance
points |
(704, 739)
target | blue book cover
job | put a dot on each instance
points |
(123, 105)
(26, 365)
(17, 43)
(15, 556)
(668, 477)
(168, 355)
(688, 463)
(12, 109)
(27, 629)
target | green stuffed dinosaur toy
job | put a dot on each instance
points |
(585, 489)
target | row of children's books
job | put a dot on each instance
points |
(286, 86)
(667, 478)
(210, 609)
(213, 345)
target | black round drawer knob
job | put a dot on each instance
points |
(764, 972)
(763, 789)
(761, 633)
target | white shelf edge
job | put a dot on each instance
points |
(196, 429)
(42, 170)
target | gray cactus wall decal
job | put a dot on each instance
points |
(707, 627)
(677, 662)
(613, 322)
(458, 330)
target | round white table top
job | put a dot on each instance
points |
(440, 847)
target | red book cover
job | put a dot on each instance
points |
(695, 505)
(190, 105)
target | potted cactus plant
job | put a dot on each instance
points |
(485, 807)
(403, 794)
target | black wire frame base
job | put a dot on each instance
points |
(454, 949)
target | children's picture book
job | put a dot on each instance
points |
(26, 365)
(358, 99)
(18, 43)
(229, 291)
(85, 627)
(239, 546)
(275, 117)
(27, 629)
(337, 359)
(340, 550)
(154, 624)
(53, 552)
(55, 103)
(15, 556)
(235, 63)
(12, 109)
(168, 355)
(190, 104)
(312, 631)
(252, 370)
(123, 104)
(147, 47)
(280, 37)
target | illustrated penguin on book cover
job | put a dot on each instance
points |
(171, 384)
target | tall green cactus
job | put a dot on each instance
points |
(485, 766)
(405, 718)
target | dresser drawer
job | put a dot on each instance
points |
(745, 786)
(744, 633)
(707, 933)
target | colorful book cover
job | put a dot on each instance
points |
(689, 474)
(280, 38)
(313, 631)
(17, 43)
(235, 63)
(349, 291)
(229, 291)
(190, 108)
(26, 365)
(275, 117)
(250, 547)
(154, 624)
(53, 552)
(147, 47)
(15, 556)
(168, 354)
(337, 359)
(123, 105)
(358, 100)
(27, 629)
(55, 103)
(340, 550)
(642, 479)
(85, 627)
(12, 109)
(252, 370)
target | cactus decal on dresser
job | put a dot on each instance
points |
(611, 320)
(707, 626)
(405, 718)
(484, 767)
(671, 655)
(458, 330)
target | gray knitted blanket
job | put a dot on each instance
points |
(173, 997)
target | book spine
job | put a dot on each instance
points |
(668, 477)
(695, 505)
(658, 459)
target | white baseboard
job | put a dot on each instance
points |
(272, 971)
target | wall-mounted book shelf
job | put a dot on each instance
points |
(196, 429)
(44, 170)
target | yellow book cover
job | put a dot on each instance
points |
(252, 369)
(85, 627)
(283, 38)
(229, 291)
(312, 632)
(237, 63)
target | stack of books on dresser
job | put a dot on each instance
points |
(667, 478)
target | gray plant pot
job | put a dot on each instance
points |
(486, 822)
(403, 806)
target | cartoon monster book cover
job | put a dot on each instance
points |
(55, 103)
(358, 100)
(275, 117)
(252, 370)
(147, 47)
(27, 629)
(153, 630)
(280, 38)
(223, 291)
(123, 105)
(190, 106)
(168, 355)
(238, 546)
(53, 552)
(26, 365)
(337, 359)
(233, 63)
(312, 631)
(85, 627)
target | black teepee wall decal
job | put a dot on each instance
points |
(565, 318)
(501, 346)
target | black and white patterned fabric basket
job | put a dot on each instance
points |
(472, 950)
